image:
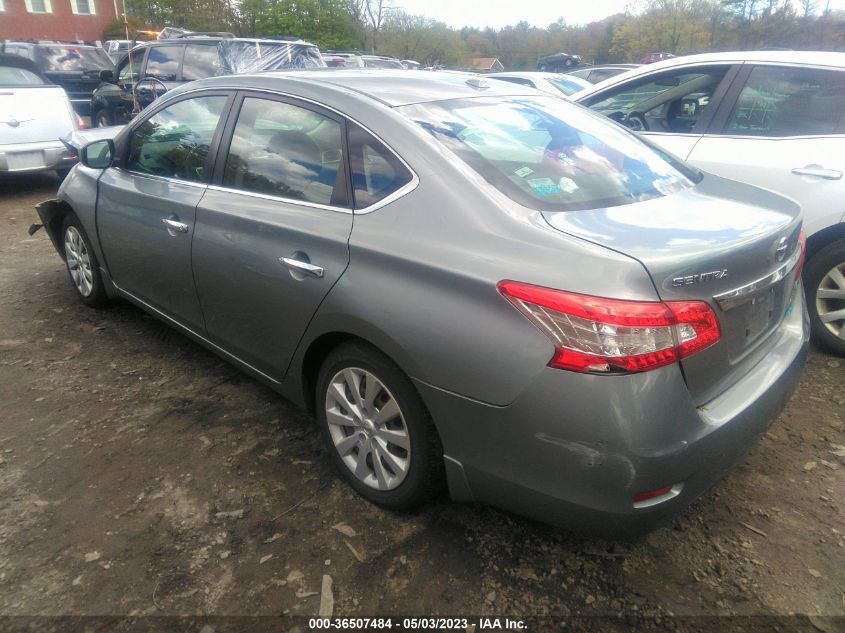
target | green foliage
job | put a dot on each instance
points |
(321, 21)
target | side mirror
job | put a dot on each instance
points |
(107, 76)
(98, 155)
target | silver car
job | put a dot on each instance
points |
(33, 115)
(464, 280)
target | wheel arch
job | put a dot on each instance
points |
(818, 240)
(53, 214)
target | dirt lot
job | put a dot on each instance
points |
(140, 474)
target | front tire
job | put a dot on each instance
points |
(82, 265)
(824, 283)
(377, 429)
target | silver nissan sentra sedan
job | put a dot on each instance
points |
(468, 283)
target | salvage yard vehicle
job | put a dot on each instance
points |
(153, 68)
(74, 67)
(487, 285)
(774, 119)
(33, 115)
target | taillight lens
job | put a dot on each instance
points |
(595, 334)
(802, 244)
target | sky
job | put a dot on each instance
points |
(499, 13)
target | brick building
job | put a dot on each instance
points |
(57, 19)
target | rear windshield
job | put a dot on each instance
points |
(11, 76)
(73, 58)
(548, 154)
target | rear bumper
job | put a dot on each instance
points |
(573, 450)
(31, 157)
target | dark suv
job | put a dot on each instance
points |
(558, 62)
(74, 67)
(152, 68)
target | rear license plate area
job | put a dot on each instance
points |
(25, 160)
(761, 313)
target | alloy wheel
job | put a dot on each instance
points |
(78, 261)
(830, 300)
(368, 429)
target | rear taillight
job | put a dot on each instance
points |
(802, 244)
(80, 122)
(595, 334)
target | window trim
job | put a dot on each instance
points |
(48, 7)
(2, 6)
(720, 123)
(213, 147)
(92, 5)
(217, 176)
(226, 142)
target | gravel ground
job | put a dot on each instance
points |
(141, 475)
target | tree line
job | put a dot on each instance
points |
(675, 26)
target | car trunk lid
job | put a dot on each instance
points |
(34, 114)
(729, 244)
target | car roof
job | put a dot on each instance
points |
(390, 87)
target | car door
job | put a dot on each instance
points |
(147, 203)
(784, 130)
(671, 107)
(272, 232)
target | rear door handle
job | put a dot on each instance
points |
(173, 225)
(818, 172)
(301, 266)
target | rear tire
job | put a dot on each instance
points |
(82, 265)
(381, 437)
(824, 285)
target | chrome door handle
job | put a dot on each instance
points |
(301, 266)
(818, 172)
(173, 225)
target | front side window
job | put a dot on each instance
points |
(201, 61)
(548, 154)
(671, 102)
(174, 142)
(130, 69)
(288, 151)
(163, 62)
(782, 102)
(376, 171)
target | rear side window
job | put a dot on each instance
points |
(163, 62)
(376, 171)
(201, 61)
(288, 151)
(790, 102)
(174, 142)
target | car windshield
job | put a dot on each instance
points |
(73, 58)
(11, 76)
(546, 153)
(252, 56)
